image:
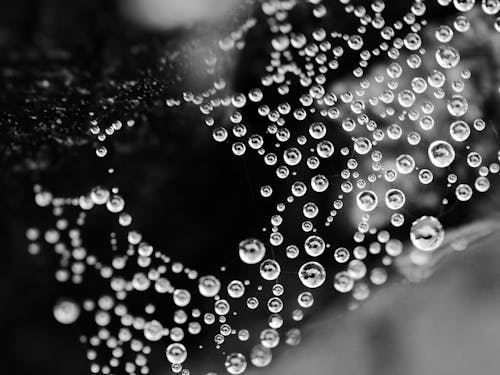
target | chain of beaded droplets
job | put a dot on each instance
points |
(377, 111)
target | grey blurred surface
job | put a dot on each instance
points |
(446, 325)
(167, 14)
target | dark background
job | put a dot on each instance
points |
(188, 195)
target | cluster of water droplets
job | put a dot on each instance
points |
(370, 146)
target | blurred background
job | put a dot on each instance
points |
(62, 60)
